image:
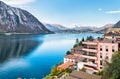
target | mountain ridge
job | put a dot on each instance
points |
(16, 20)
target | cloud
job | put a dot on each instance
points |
(113, 12)
(99, 9)
(17, 2)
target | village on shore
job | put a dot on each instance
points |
(88, 58)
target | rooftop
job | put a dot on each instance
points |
(72, 57)
(65, 65)
(113, 34)
(108, 41)
(82, 75)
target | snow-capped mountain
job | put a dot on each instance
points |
(16, 20)
(55, 27)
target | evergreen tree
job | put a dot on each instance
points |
(83, 39)
(77, 41)
(68, 52)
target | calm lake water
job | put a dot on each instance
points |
(33, 56)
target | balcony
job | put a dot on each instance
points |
(89, 50)
(91, 64)
(90, 46)
(89, 43)
(89, 55)
(92, 69)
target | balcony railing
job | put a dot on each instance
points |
(90, 47)
(89, 43)
(90, 57)
(94, 70)
(90, 64)
(86, 54)
(89, 50)
(94, 55)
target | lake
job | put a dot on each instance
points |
(33, 56)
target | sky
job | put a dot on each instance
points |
(72, 12)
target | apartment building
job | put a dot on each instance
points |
(96, 52)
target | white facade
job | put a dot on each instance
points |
(80, 65)
(68, 60)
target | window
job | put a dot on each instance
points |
(100, 67)
(106, 55)
(106, 48)
(113, 49)
(100, 62)
(100, 55)
(100, 47)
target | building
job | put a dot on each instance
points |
(66, 65)
(71, 58)
(112, 35)
(82, 75)
(77, 51)
(95, 52)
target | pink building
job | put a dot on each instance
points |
(95, 52)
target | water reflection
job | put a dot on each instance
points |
(15, 46)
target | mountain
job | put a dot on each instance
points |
(106, 26)
(77, 29)
(55, 27)
(101, 29)
(117, 25)
(83, 27)
(115, 28)
(16, 20)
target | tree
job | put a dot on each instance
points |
(90, 38)
(80, 43)
(77, 41)
(83, 39)
(112, 71)
(54, 70)
(100, 73)
(75, 45)
(68, 52)
(83, 69)
(68, 70)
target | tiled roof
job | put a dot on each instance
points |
(108, 41)
(113, 34)
(65, 65)
(72, 57)
(82, 75)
